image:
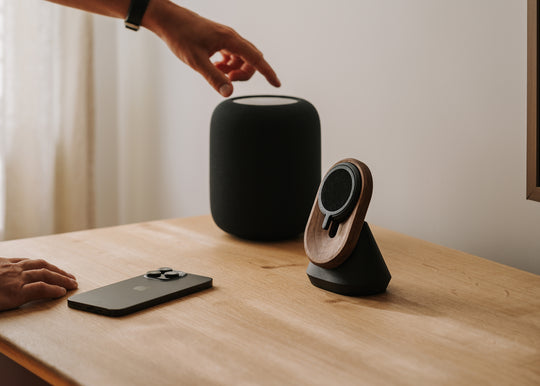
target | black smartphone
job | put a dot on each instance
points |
(140, 292)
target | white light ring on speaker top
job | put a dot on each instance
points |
(265, 100)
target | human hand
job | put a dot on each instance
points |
(24, 280)
(194, 40)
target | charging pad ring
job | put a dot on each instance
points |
(339, 192)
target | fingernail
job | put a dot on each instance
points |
(226, 90)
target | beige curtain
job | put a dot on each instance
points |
(46, 119)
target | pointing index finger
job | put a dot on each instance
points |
(254, 57)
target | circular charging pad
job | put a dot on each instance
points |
(339, 193)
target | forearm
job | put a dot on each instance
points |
(193, 39)
(119, 9)
(113, 8)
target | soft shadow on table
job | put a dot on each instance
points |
(36, 306)
(394, 299)
(419, 299)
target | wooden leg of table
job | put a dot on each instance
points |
(15, 375)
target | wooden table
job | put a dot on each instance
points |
(447, 318)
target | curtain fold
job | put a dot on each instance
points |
(46, 120)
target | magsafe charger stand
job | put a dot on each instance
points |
(344, 256)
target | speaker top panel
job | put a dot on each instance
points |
(337, 215)
(265, 100)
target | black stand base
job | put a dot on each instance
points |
(363, 273)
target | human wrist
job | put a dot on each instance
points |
(150, 16)
(157, 14)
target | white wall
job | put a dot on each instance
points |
(431, 94)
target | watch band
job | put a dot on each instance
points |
(135, 14)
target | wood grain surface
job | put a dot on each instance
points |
(447, 317)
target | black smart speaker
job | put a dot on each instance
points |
(265, 165)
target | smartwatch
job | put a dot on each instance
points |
(135, 14)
